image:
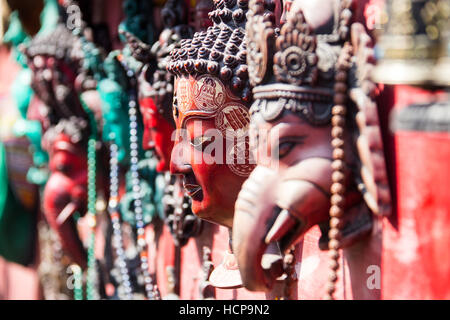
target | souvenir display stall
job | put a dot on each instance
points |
(224, 149)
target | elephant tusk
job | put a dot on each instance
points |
(283, 224)
(66, 213)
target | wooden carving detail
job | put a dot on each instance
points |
(317, 86)
(295, 61)
(374, 184)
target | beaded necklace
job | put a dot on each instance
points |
(77, 282)
(92, 195)
(115, 220)
(339, 111)
(91, 283)
(151, 289)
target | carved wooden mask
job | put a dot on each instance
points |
(210, 108)
(66, 189)
(300, 130)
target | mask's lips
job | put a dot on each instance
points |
(66, 213)
(192, 189)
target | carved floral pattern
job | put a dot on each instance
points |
(261, 36)
(296, 60)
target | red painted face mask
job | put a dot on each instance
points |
(211, 151)
(157, 133)
(65, 193)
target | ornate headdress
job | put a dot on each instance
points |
(158, 83)
(76, 129)
(213, 77)
(302, 72)
(220, 51)
(59, 45)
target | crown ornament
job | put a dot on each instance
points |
(220, 51)
(297, 67)
(295, 61)
(261, 36)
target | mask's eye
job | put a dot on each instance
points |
(63, 168)
(284, 148)
(201, 142)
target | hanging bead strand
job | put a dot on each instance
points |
(92, 196)
(338, 187)
(91, 282)
(77, 282)
(339, 111)
(151, 289)
(115, 220)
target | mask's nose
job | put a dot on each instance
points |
(179, 160)
(254, 211)
(56, 193)
(303, 196)
(178, 167)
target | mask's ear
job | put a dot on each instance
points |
(373, 179)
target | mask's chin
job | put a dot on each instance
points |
(201, 208)
(212, 213)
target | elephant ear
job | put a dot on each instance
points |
(372, 176)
